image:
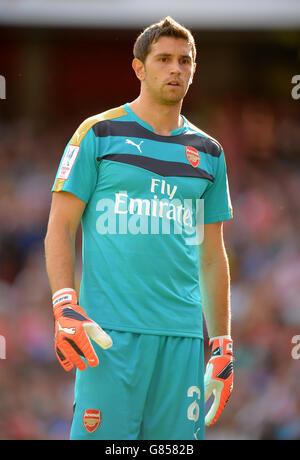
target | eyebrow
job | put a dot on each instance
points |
(169, 54)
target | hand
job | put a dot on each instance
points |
(218, 379)
(73, 330)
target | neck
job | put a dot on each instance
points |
(162, 117)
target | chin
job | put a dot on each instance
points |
(172, 100)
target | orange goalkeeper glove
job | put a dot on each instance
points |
(218, 379)
(73, 330)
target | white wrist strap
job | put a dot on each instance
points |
(63, 295)
(221, 337)
(62, 291)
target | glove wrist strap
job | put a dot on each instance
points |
(64, 296)
(228, 337)
(221, 345)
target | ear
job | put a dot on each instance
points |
(193, 73)
(139, 69)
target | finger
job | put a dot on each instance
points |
(72, 353)
(215, 410)
(87, 349)
(207, 394)
(95, 332)
(65, 363)
(208, 383)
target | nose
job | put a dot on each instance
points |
(175, 70)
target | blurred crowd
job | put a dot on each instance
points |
(262, 147)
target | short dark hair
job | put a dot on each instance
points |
(167, 27)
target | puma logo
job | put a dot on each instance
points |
(138, 146)
(67, 330)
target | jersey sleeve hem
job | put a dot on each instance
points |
(64, 188)
(211, 219)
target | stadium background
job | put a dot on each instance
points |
(64, 61)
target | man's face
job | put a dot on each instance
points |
(168, 70)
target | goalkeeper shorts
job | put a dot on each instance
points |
(146, 387)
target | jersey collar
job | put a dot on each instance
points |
(175, 132)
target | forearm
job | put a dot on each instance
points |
(60, 259)
(215, 292)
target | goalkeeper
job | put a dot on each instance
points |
(134, 332)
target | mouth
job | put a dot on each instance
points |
(174, 83)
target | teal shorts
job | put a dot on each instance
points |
(146, 387)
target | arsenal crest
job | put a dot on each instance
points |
(193, 156)
(92, 419)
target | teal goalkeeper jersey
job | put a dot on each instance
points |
(147, 197)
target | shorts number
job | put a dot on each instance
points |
(193, 411)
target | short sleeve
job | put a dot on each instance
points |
(78, 172)
(217, 202)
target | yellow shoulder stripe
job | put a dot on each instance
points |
(83, 129)
(89, 122)
(58, 185)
